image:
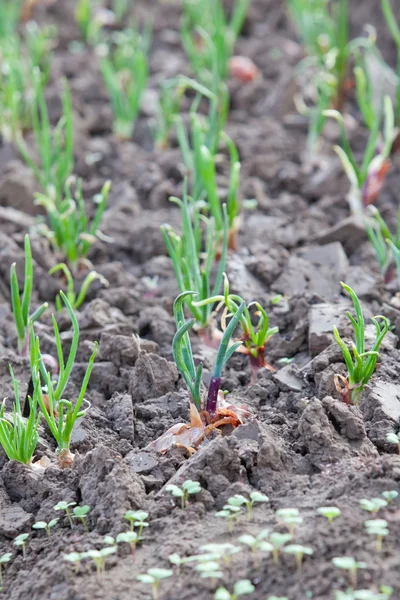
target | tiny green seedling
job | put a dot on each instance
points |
(65, 506)
(385, 592)
(361, 368)
(137, 518)
(290, 517)
(240, 588)
(393, 438)
(75, 558)
(239, 500)
(99, 557)
(224, 551)
(209, 569)
(46, 526)
(258, 543)
(20, 541)
(278, 540)
(350, 564)
(5, 558)
(81, 512)
(153, 577)
(389, 496)
(329, 512)
(188, 488)
(87, 22)
(76, 300)
(21, 306)
(298, 551)
(373, 505)
(230, 513)
(129, 537)
(379, 528)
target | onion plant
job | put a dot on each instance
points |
(21, 305)
(55, 148)
(125, 73)
(86, 21)
(76, 300)
(254, 338)
(394, 28)
(70, 229)
(60, 414)
(386, 245)
(209, 37)
(10, 11)
(360, 366)
(192, 267)
(184, 357)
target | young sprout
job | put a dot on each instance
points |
(46, 526)
(81, 512)
(209, 569)
(258, 543)
(390, 495)
(137, 518)
(125, 73)
(72, 232)
(278, 540)
(394, 29)
(348, 563)
(86, 20)
(291, 518)
(10, 16)
(21, 305)
(74, 558)
(379, 528)
(298, 551)
(240, 588)
(60, 414)
(65, 506)
(230, 513)
(384, 593)
(19, 437)
(129, 537)
(393, 438)
(153, 577)
(253, 338)
(20, 540)
(192, 271)
(361, 367)
(99, 557)
(239, 500)
(224, 551)
(373, 505)
(330, 512)
(76, 300)
(5, 558)
(187, 489)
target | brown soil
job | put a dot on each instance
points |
(301, 447)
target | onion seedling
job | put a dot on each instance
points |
(350, 564)
(5, 558)
(361, 367)
(373, 505)
(379, 528)
(153, 577)
(394, 29)
(249, 502)
(125, 73)
(55, 148)
(137, 518)
(85, 17)
(81, 512)
(278, 540)
(192, 271)
(60, 414)
(10, 12)
(253, 338)
(330, 512)
(290, 517)
(240, 588)
(21, 305)
(99, 557)
(298, 551)
(76, 300)
(46, 526)
(390, 495)
(393, 438)
(70, 229)
(20, 540)
(188, 488)
(65, 506)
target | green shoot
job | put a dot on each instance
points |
(389, 496)
(209, 569)
(60, 414)
(125, 73)
(278, 541)
(393, 438)
(5, 558)
(21, 305)
(120, 8)
(379, 528)
(385, 244)
(290, 517)
(70, 229)
(385, 592)
(361, 368)
(129, 537)
(74, 558)
(46, 526)
(224, 551)
(19, 438)
(374, 505)
(76, 300)
(348, 563)
(192, 271)
(65, 506)
(366, 180)
(85, 18)
(258, 543)
(10, 11)
(239, 500)
(240, 588)
(99, 557)
(208, 37)
(137, 518)
(153, 578)
(394, 29)
(20, 541)
(187, 489)
(81, 512)
(230, 513)
(55, 148)
(329, 512)
(298, 551)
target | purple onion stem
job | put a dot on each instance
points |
(212, 397)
